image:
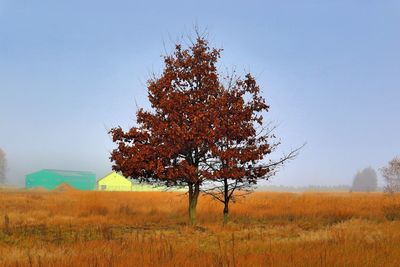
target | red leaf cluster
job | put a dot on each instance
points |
(202, 126)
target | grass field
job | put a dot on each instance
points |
(150, 229)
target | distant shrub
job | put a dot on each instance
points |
(291, 217)
(99, 210)
(3, 166)
(127, 210)
(392, 212)
(365, 181)
(7, 228)
(107, 233)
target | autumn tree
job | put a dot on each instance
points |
(172, 142)
(365, 180)
(391, 174)
(243, 139)
(3, 166)
(202, 127)
(228, 189)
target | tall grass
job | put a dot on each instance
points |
(150, 229)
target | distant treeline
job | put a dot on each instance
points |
(310, 188)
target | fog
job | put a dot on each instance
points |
(71, 71)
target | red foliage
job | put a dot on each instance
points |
(202, 126)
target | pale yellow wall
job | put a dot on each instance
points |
(114, 182)
(146, 187)
(117, 182)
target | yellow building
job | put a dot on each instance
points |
(114, 182)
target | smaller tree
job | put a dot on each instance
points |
(391, 173)
(365, 181)
(226, 190)
(3, 166)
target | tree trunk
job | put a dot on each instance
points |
(194, 190)
(226, 201)
(226, 212)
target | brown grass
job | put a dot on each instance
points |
(149, 229)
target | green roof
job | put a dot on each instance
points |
(71, 173)
(67, 172)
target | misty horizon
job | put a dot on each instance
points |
(67, 79)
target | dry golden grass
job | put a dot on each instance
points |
(149, 229)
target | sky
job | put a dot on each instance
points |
(330, 70)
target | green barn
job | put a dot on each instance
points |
(50, 179)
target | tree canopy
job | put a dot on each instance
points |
(391, 173)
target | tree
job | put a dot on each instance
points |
(228, 189)
(3, 166)
(365, 181)
(202, 128)
(391, 173)
(243, 139)
(171, 143)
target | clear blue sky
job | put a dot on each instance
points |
(329, 69)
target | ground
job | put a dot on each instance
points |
(72, 228)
